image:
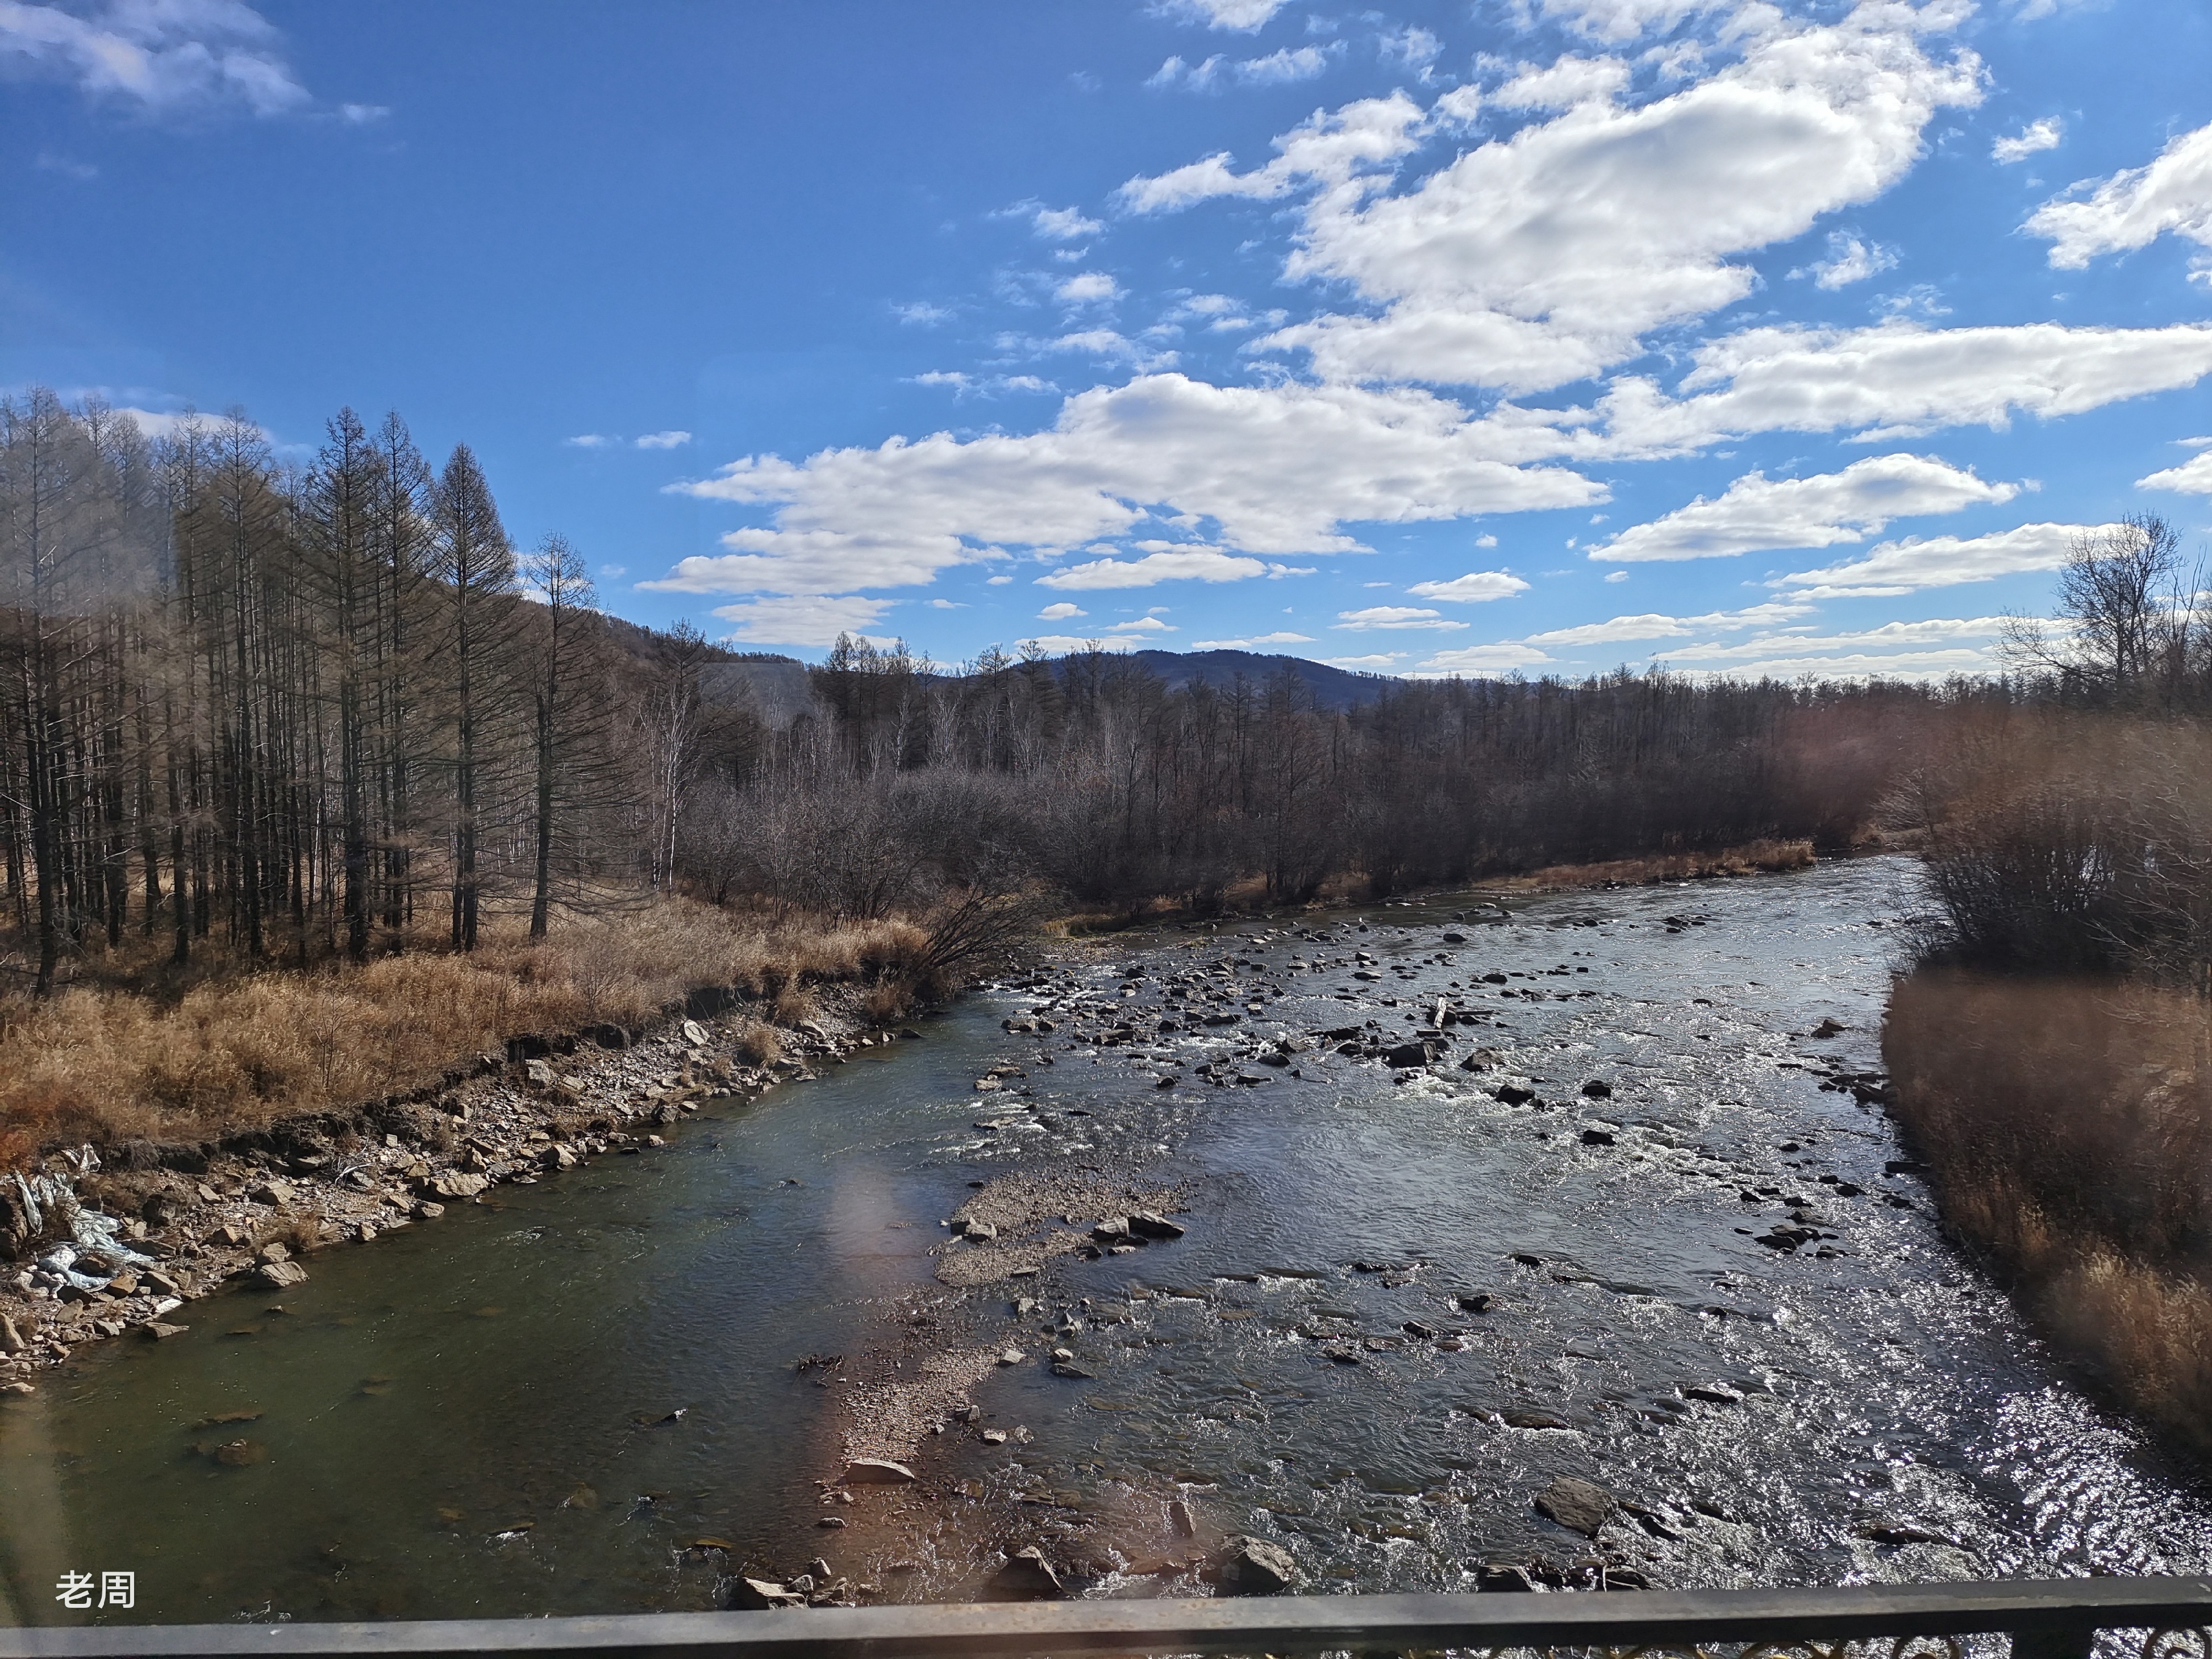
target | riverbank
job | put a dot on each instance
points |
(173, 1223)
(2065, 1126)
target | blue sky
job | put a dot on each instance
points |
(1523, 335)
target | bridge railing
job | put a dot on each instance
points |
(2058, 1619)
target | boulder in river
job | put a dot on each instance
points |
(1597, 1138)
(281, 1275)
(1503, 1576)
(1150, 1224)
(756, 1595)
(1027, 1574)
(1579, 1505)
(1253, 1566)
(877, 1472)
(1598, 1089)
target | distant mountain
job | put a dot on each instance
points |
(1333, 688)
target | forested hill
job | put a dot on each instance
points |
(1335, 689)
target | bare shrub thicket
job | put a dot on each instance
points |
(2067, 1129)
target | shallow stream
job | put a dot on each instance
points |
(535, 1404)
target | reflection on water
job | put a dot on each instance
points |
(481, 1416)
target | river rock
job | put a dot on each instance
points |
(1150, 1224)
(1028, 1574)
(694, 1033)
(1503, 1576)
(757, 1595)
(1598, 1089)
(281, 1275)
(1597, 1138)
(877, 1472)
(539, 1074)
(161, 1333)
(1253, 1566)
(1579, 1506)
(1512, 1094)
(274, 1192)
(11, 1339)
(1181, 1518)
(460, 1184)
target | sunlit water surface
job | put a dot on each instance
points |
(468, 1418)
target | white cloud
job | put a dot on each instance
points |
(1328, 148)
(1165, 565)
(2193, 477)
(1061, 645)
(1061, 224)
(1904, 650)
(1485, 540)
(670, 440)
(1143, 625)
(1616, 575)
(1563, 84)
(1760, 514)
(164, 56)
(1473, 589)
(1652, 626)
(804, 619)
(2132, 209)
(1392, 617)
(1850, 260)
(1910, 566)
(1481, 659)
(1279, 68)
(1087, 288)
(1616, 22)
(590, 440)
(1411, 49)
(1061, 612)
(1244, 16)
(1255, 641)
(1279, 470)
(922, 315)
(2047, 134)
(1895, 380)
(363, 115)
(1378, 662)
(1538, 259)
(996, 582)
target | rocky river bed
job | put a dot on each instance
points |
(1431, 1245)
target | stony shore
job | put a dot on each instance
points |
(255, 1208)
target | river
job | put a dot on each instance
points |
(535, 1404)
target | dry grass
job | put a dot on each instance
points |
(108, 1064)
(2066, 1131)
(1754, 858)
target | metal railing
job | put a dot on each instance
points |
(2057, 1619)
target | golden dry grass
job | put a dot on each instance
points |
(2066, 1129)
(1754, 858)
(109, 1064)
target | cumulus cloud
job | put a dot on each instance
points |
(1390, 616)
(1850, 260)
(1143, 625)
(670, 440)
(1893, 380)
(164, 56)
(1482, 659)
(1279, 68)
(806, 619)
(1279, 470)
(1256, 640)
(2193, 477)
(1087, 288)
(1377, 662)
(1618, 21)
(1543, 258)
(1329, 147)
(1910, 566)
(2046, 134)
(1904, 650)
(1653, 626)
(1473, 589)
(1758, 515)
(1243, 15)
(1203, 564)
(2132, 209)
(1061, 612)
(1060, 224)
